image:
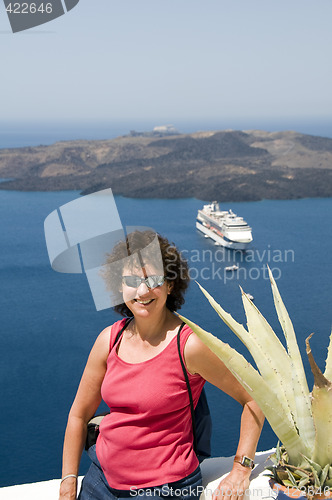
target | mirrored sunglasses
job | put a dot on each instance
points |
(150, 281)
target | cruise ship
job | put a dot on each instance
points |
(224, 227)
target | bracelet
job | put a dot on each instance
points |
(69, 475)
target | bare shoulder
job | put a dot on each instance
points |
(194, 344)
(201, 360)
(197, 354)
(100, 349)
(105, 335)
(88, 395)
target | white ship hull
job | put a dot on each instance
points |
(220, 240)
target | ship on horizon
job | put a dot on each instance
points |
(224, 227)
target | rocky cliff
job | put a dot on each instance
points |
(222, 165)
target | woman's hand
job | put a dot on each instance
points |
(234, 485)
(68, 489)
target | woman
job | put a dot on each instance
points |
(145, 443)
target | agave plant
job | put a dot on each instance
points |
(301, 420)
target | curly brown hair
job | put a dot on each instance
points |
(176, 269)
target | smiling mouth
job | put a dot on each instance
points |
(144, 302)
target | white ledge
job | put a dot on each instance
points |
(213, 469)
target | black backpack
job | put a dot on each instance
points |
(200, 416)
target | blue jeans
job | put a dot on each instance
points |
(95, 486)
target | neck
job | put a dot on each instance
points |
(150, 328)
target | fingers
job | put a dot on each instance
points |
(229, 491)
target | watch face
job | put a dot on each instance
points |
(247, 462)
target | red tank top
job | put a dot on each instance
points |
(147, 440)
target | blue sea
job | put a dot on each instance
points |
(49, 322)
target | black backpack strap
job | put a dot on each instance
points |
(128, 320)
(93, 424)
(188, 387)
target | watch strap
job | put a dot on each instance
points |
(244, 461)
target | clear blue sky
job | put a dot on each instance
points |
(170, 61)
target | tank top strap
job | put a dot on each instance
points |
(185, 333)
(115, 329)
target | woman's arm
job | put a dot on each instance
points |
(200, 359)
(83, 408)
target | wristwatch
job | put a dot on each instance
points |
(245, 461)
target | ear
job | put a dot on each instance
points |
(169, 287)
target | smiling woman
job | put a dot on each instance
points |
(146, 248)
(145, 443)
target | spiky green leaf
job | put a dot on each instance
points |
(269, 354)
(314, 466)
(287, 482)
(330, 472)
(328, 363)
(255, 385)
(322, 412)
(303, 482)
(292, 478)
(278, 453)
(323, 474)
(303, 412)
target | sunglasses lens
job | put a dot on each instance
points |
(132, 281)
(150, 281)
(154, 281)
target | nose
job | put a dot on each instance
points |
(142, 289)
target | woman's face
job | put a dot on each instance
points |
(144, 291)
